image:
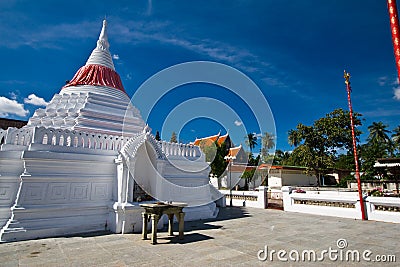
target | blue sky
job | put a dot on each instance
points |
(294, 51)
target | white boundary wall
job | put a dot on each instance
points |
(341, 204)
(253, 199)
(386, 209)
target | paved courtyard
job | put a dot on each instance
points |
(232, 239)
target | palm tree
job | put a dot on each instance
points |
(396, 137)
(281, 157)
(293, 138)
(251, 141)
(378, 133)
(268, 141)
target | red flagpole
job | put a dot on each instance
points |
(347, 81)
(394, 27)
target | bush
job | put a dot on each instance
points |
(343, 182)
(376, 192)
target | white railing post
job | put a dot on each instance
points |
(263, 196)
(287, 200)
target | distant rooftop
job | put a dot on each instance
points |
(7, 123)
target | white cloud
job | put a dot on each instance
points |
(382, 81)
(115, 56)
(237, 123)
(9, 106)
(396, 93)
(13, 96)
(35, 100)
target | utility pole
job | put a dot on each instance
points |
(362, 206)
(394, 27)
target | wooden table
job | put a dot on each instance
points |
(156, 210)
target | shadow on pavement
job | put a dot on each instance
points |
(188, 238)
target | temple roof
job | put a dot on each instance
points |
(234, 151)
(207, 140)
(99, 68)
(222, 138)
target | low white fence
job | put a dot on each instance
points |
(254, 199)
(341, 204)
(385, 209)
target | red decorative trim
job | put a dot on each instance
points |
(96, 75)
(394, 26)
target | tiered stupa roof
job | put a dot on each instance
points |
(99, 68)
(94, 100)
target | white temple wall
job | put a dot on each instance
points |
(73, 196)
(11, 167)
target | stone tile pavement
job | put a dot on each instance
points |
(234, 238)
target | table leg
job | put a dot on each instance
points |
(181, 224)
(154, 222)
(170, 224)
(144, 225)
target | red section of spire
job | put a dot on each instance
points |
(394, 26)
(96, 75)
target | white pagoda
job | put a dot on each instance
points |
(76, 165)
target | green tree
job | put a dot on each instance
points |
(267, 142)
(251, 141)
(248, 175)
(378, 136)
(396, 138)
(210, 150)
(158, 138)
(378, 145)
(281, 157)
(369, 152)
(378, 133)
(218, 165)
(345, 161)
(294, 138)
(317, 145)
(173, 138)
(215, 155)
(253, 161)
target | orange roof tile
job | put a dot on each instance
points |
(234, 151)
(222, 139)
(241, 168)
(209, 140)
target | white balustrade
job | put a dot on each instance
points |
(21, 137)
(178, 149)
(60, 137)
(68, 138)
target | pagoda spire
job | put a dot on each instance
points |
(101, 54)
(102, 43)
(99, 68)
